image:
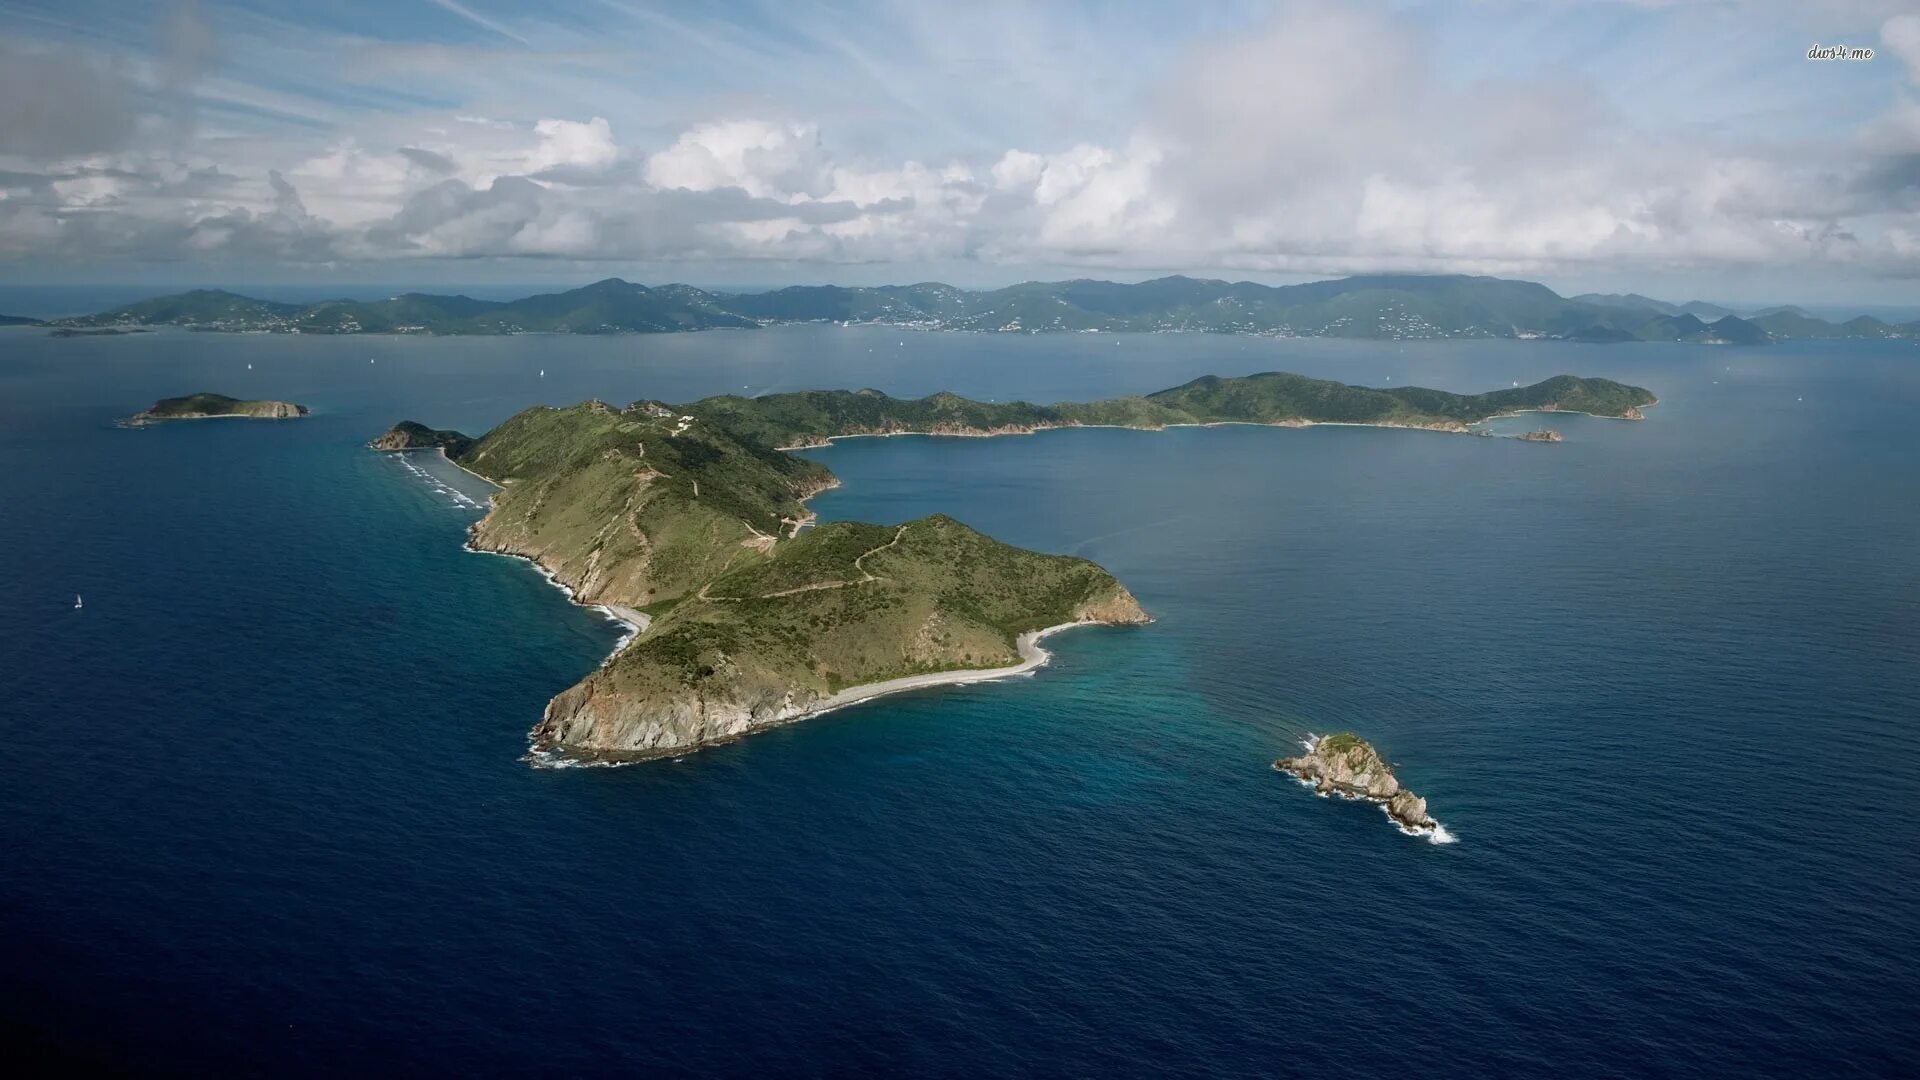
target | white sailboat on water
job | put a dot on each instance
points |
(76, 601)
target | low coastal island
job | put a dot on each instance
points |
(693, 518)
(1348, 766)
(1542, 435)
(407, 435)
(212, 406)
(807, 419)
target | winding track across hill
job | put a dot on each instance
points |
(865, 576)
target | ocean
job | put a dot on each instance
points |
(263, 807)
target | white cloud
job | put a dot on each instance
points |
(351, 185)
(763, 159)
(1092, 199)
(570, 144)
(1018, 169)
(1901, 36)
(1325, 140)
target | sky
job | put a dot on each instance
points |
(1680, 149)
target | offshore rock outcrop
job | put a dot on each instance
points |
(1348, 766)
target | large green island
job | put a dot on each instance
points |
(689, 521)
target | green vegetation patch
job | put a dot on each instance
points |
(1267, 398)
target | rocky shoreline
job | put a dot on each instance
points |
(1348, 766)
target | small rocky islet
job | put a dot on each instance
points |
(1346, 765)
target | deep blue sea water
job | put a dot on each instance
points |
(262, 807)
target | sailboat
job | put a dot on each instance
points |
(76, 601)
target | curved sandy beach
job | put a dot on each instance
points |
(1032, 656)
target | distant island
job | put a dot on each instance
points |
(1348, 766)
(212, 406)
(689, 522)
(810, 418)
(1381, 306)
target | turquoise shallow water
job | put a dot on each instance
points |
(263, 806)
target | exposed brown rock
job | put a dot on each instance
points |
(1349, 766)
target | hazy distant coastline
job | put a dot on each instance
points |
(1378, 307)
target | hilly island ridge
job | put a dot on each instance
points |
(689, 521)
(209, 406)
(1384, 306)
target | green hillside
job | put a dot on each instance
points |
(850, 604)
(635, 505)
(809, 417)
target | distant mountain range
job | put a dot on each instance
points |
(1391, 307)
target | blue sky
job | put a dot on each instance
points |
(1674, 148)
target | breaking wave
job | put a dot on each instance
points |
(440, 487)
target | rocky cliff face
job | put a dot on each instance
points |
(274, 410)
(595, 719)
(1349, 766)
(1117, 608)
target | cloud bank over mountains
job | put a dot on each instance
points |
(1317, 139)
